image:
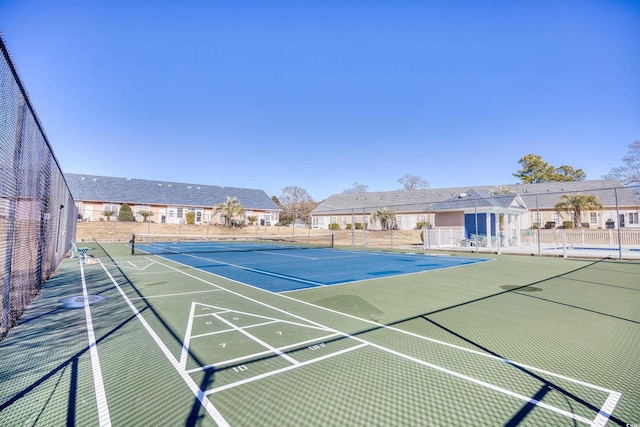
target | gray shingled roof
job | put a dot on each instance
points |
(142, 191)
(548, 194)
(478, 199)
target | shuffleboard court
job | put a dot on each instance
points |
(171, 342)
(233, 347)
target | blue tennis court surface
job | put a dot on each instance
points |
(284, 269)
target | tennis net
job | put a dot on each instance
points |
(174, 244)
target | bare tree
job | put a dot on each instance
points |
(413, 182)
(356, 188)
(629, 173)
(296, 203)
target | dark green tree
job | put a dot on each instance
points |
(535, 170)
(125, 213)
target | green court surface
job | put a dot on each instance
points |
(519, 340)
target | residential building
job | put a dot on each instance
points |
(478, 209)
(169, 201)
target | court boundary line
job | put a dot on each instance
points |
(602, 415)
(174, 295)
(104, 418)
(242, 267)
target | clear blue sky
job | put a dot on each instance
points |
(322, 94)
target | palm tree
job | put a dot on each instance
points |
(386, 216)
(229, 209)
(578, 203)
(108, 214)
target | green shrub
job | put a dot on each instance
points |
(125, 213)
(567, 224)
(190, 217)
(549, 225)
(334, 226)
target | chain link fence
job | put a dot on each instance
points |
(37, 212)
(588, 218)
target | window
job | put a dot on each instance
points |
(633, 218)
(344, 221)
(593, 218)
(180, 212)
(555, 217)
(112, 208)
(537, 218)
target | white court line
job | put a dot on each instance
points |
(607, 409)
(612, 400)
(262, 353)
(227, 310)
(184, 353)
(104, 418)
(175, 295)
(255, 270)
(230, 329)
(202, 398)
(279, 371)
(259, 341)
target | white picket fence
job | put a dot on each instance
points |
(583, 237)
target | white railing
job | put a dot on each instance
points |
(583, 237)
(443, 237)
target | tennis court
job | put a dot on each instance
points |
(179, 335)
(290, 263)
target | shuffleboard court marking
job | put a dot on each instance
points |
(132, 263)
(603, 413)
(282, 370)
(104, 419)
(267, 352)
(258, 340)
(204, 401)
(231, 329)
(228, 310)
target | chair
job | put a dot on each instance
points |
(79, 252)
